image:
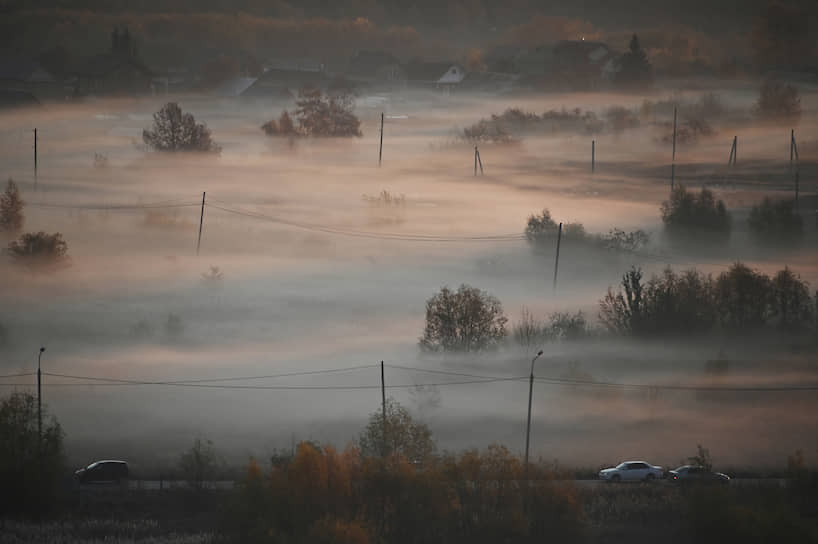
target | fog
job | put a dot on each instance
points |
(328, 280)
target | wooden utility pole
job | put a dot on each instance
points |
(380, 149)
(383, 408)
(557, 260)
(475, 161)
(673, 156)
(479, 160)
(201, 220)
(35, 158)
(39, 402)
(731, 161)
(528, 423)
(593, 154)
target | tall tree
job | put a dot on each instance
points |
(464, 320)
(635, 69)
(11, 209)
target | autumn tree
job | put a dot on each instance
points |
(404, 436)
(744, 297)
(199, 463)
(31, 465)
(319, 114)
(11, 209)
(173, 130)
(688, 211)
(464, 320)
(791, 301)
(39, 249)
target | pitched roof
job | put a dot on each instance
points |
(107, 63)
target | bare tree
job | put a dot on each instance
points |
(403, 435)
(173, 130)
(11, 209)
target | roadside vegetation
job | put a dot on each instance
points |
(175, 131)
(317, 114)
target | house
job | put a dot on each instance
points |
(117, 72)
(425, 74)
(376, 68)
(579, 65)
(284, 82)
(453, 76)
(24, 77)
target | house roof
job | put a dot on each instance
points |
(454, 74)
(23, 70)
(369, 63)
(418, 70)
(234, 86)
(107, 63)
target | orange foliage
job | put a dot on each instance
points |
(543, 29)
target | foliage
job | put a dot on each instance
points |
(619, 240)
(541, 232)
(791, 301)
(743, 298)
(213, 277)
(778, 102)
(635, 69)
(775, 221)
(404, 436)
(11, 208)
(464, 320)
(668, 304)
(620, 118)
(543, 229)
(38, 249)
(386, 199)
(530, 331)
(283, 127)
(29, 488)
(174, 131)
(198, 465)
(318, 114)
(687, 211)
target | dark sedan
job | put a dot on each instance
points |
(690, 474)
(103, 472)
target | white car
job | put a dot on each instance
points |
(631, 471)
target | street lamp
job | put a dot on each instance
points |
(39, 397)
(528, 426)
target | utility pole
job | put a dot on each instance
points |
(475, 161)
(673, 157)
(39, 399)
(528, 424)
(383, 408)
(479, 160)
(593, 153)
(733, 152)
(380, 149)
(35, 158)
(557, 260)
(201, 220)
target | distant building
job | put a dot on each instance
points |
(580, 65)
(118, 72)
(377, 68)
(283, 79)
(23, 79)
(452, 78)
(425, 74)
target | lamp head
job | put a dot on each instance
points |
(538, 353)
(42, 350)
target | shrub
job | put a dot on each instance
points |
(11, 209)
(198, 465)
(38, 249)
(323, 115)
(744, 298)
(30, 467)
(619, 240)
(464, 320)
(620, 118)
(528, 331)
(775, 221)
(174, 131)
(687, 211)
(542, 229)
(778, 102)
(566, 326)
(284, 126)
(404, 436)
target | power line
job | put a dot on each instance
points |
(18, 375)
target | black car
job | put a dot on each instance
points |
(690, 474)
(103, 472)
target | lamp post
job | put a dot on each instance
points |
(528, 425)
(39, 398)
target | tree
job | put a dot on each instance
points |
(199, 463)
(325, 115)
(466, 320)
(744, 298)
(687, 211)
(624, 313)
(702, 458)
(173, 130)
(635, 69)
(403, 435)
(11, 209)
(39, 249)
(778, 102)
(30, 467)
(791, 301)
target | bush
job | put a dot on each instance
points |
(284, 126)
(778, 102)
(404, 436)
(198, 465)
(775, 221)
(174, 131)
(11, 209)
(541, 232)
(30, 468)
(466, 320)
(687, 211)
(38, 249)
